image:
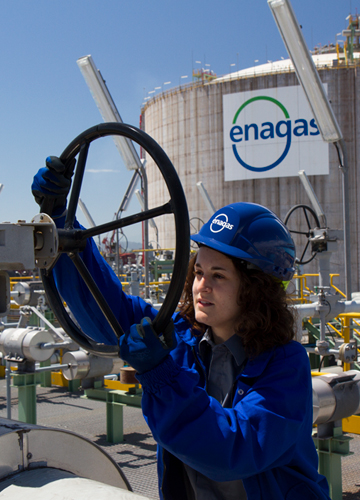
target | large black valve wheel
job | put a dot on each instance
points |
(308, 222)
(72, 241)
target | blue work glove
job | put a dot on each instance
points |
(143, 349)
(51, 185)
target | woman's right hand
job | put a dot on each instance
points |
(51, 185)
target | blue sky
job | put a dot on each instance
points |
(138, 45)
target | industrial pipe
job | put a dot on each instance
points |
(81, 365)
(335, 396)
(19, 344)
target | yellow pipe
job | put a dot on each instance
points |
(156, 250)
(124, 283)
(345, 53)
(346, 330)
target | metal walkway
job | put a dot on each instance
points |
(58, 408)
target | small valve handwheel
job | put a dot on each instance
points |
(309, 222)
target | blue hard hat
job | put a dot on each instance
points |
(252, 233)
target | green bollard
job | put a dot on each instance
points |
(114, 419)
(73, 385)
(115, 402)
(330, 451)
(45, 377)
(26, 384)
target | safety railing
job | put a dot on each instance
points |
(304, 289)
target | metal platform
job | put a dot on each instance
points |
(56, 407)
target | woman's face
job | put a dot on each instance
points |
(215, 291)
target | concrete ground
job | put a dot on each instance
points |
(58, 408)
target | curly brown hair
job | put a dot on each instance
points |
(266, 319)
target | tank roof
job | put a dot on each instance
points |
(321, 61)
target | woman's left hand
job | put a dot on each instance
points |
(143, 349)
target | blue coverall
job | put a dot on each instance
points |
(264, 439)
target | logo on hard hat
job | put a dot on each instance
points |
(218, 225)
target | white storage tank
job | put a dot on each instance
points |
(191, 123)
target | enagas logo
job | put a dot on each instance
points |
(258, 132)
(220, 223)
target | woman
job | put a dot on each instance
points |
(226, 390)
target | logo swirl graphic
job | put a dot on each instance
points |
(218, 224)
(282, 122)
